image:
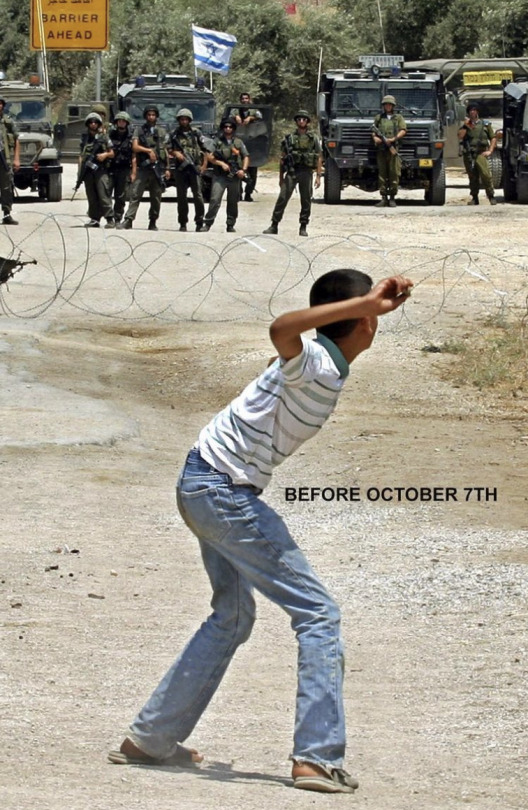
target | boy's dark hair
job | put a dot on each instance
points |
(339, 285)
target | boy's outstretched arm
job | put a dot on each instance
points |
(385, 296)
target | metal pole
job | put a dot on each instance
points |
(98, 70)
(45, 78)
(381, 27)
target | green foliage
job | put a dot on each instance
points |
(277, 55)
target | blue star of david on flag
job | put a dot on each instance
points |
(212, 49)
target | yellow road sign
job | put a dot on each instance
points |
(70, 25)
(479, 77)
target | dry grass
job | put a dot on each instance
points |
(495, 358)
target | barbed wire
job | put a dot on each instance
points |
(110, 274)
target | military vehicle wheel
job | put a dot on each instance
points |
(495, 164)
(522, 189)
(436, 193)
(332, 183)
(54, 188)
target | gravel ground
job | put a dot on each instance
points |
(101, 583)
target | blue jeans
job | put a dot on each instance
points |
(246, 545)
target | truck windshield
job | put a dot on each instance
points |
(490, 107)
(362, 100)
(412, 100)
(202, 109)
(26, 110)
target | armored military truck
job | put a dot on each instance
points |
(169, 93)
(515, 142)
(29, 105)
(480, 81)
(349, 100)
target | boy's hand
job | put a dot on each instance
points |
(390, 293)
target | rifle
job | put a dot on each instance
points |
(89, 164)
(469, 153)
(158, 168)
(288, 160)
(187, 162)
(234, 168)
(390, 146)
(8, 267)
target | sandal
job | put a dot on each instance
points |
(333, 780)
(183, 757)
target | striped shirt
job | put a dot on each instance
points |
(275, 414)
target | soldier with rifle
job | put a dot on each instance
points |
(94, 160)
(245, 115)
(230, 160)
(387, 131)
(301, 156)
(478, 144)
(9, 162)
(187, 147)
(120, 134)
(150, 167)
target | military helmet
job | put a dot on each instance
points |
(389, 100)
(99, 108)
(123, 116)
(184, 113)
(302, 114)
(228, 120)
(93, 116)
(150, 108)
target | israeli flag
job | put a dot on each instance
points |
(212, 49)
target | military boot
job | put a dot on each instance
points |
(492, 200)
(473, 201)
(383, 203)
(152, 225)
(273, 228)
(8, 219)
(303, 231)
(392, 202)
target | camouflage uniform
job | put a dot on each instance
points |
(477, 139)
(8, 139)
(190, 141)
(148, 174)
(97, 183)
(389, 166)
(252, 171)
(232, 151)
(120, 167)
(303, 152)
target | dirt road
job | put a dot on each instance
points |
(114, 351)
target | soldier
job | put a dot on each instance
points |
(391, 128)
(120, 135)
(244, 116)
(9, 162)
(300, 157)
(479, 142)
(100, 109)
(150, 167)
(94, 160)
(186, 145)
(230, 160)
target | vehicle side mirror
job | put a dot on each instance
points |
(450, 117)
